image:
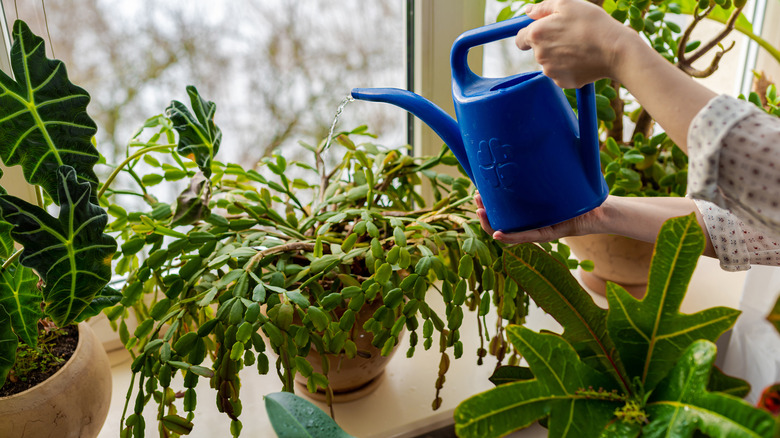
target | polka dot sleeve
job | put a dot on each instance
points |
(734, 151)
(737, 245)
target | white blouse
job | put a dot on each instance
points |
(734, 177)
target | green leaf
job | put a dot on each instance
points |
(71, 253)
(21, 298)
(681, 404)
(8, 343)
(199, 137)
(509, 374)
(193, 203)
(107, 297)
(294, 417)
(6, 242)
(651, 334)
(720, 382)
(556, 391)
(774, 315)
(44, 117)
(553, 288)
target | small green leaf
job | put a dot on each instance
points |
(199, 137)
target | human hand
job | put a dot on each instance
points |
(588, 223)
(575, 41)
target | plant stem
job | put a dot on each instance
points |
(132, 157)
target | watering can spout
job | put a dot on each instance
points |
(441, 122)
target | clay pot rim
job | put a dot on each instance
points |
(68, 364)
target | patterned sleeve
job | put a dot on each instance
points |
(734, 151)
(737, 245)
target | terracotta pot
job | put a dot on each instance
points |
(351, 379)
(618, 259)
(72, 403)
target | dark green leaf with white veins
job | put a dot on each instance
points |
(199, 137)
(106, 298)
(651, 334)
(681, 404)
(21, 298)
(43, 117)
(8, 344)
(71, 252)
(557, 392)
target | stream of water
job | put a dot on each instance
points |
(344, 103)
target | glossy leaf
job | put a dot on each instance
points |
(193, 203)
(43, 117)
(680, 404)
(557, 391)
(21, 298)
(8, 343)
(651, 334)
(553, 288)
(71, 252)
(199, 137)
(294, 417)
(6, 242)
(107, 297)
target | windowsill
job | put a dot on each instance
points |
(401, 405)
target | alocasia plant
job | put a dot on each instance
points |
(638, 368)
(44, 127)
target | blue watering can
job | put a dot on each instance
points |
(516, 137)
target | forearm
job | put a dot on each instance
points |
(670, 96)
(642, 218)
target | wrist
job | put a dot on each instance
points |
(628, 52)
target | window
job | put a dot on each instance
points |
(277, 70)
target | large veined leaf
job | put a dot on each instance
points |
(681, 403)
(21, 298)
(71, 252)
(107, 297)
(294, 417)
(6, 241)
(573, 395)
(43, 117)
(651, 333)
(199, 137)
(552, 287)
(649, 338)
(8, 343)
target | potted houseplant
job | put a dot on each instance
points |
(59, 277)
(638, 368)
(265, 267)
(636, 159)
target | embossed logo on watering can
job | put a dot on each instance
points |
(533, 162)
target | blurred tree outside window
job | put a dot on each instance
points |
(276, 69)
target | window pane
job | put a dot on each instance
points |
(276, 69)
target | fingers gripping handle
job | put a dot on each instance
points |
(482, 35)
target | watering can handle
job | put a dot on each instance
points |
(461, 73)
